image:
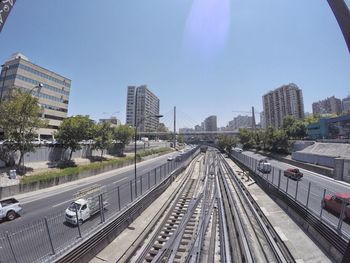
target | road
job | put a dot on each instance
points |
(37, 205)
(30, 234)
(319, 185)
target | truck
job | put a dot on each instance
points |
(293, 173)
(87, 203)
(264, 166)
(9, 209)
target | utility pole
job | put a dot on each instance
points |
(174, 127)
(253, 119)
(135, 139)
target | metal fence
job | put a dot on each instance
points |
(308, 194)
(49, 237)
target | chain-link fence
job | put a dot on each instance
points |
(56, 233)
(326, 204)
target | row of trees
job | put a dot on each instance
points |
(274, 140)
(79, 128)
(20, 117)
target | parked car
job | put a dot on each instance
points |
(293, 173)
(333, 204)
(239, 150)
(170, 158)
(264, 166)
(9, 209)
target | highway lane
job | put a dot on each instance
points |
(37, 205)
(319, 185)
(31, 241)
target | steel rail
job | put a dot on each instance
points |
(239, 235)
(278, 247)
(141, 255)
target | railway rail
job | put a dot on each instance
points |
(212, 219)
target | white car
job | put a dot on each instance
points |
(170, 158)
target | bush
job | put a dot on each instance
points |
(49, 175)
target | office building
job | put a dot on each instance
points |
(242, 122)
(327, 106)
(197, 128)
(53, 97)
(346, 104)
(147, 105)
(210, 123)
(281, 102)
(230, 126)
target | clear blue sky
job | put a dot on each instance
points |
(204, 56)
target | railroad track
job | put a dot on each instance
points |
(212, 220)
(256, 238)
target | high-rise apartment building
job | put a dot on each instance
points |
(346, 104)
(210, 123)
(281, 102)
(262, 120)
(327, 106)
(147, 105)
(242, 122)
(53, 97)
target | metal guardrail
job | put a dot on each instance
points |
(323, 227)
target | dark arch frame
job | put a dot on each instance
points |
(342, 14)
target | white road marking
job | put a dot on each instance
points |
(35, 199)
(64, 202)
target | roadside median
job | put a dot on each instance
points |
(68, 174)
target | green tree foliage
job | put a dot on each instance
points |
(280, 142)
(294, 128)
(103, 135)
(123, 134)
(226, 142)
(312, 119)
(269, 140)
(180, 138)
(163, 129)
(73, 130)
(19, 120)
(247, 138)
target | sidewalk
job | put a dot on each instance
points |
(301, 246)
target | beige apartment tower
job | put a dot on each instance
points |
(147, 104)
(53, 97)
(281, 102)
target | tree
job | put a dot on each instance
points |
(123, 134)
(103, 136)
(226, 142)
(73, 130)
(294, 128)
(246, 138)
(19, 120)
(280, 142)
(312, 119)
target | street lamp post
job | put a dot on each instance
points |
(6, 68)
(135, 147)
